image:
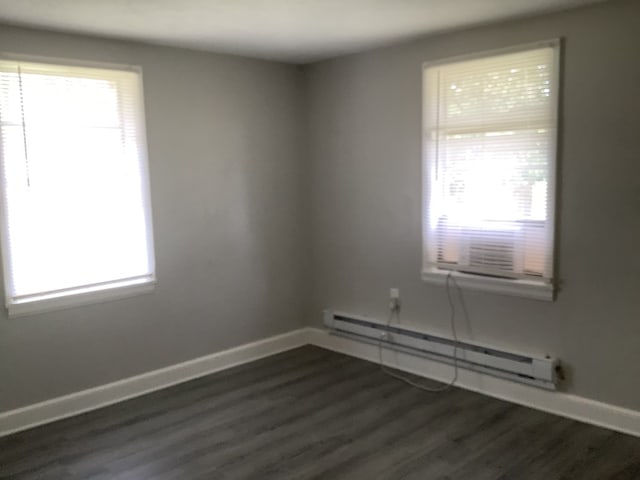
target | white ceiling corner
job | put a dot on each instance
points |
(297, 31)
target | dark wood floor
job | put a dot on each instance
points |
(310, 413)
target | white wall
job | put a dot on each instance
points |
(225, 152)
(364, 131)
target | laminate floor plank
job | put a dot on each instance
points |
(139, 409)
(186, 425)
(310, 413)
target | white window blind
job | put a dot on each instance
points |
(77, 217)
(489, 164)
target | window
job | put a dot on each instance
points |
(76, 223)
(489, 170)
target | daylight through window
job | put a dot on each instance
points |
(489, 164)
(77, 217)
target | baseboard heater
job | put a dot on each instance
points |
(540, 372)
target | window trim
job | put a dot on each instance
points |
(543, 289)
(516, 287)
(104, 291)
(87, 295)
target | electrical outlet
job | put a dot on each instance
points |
(394, 299)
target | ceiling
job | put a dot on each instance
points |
(297, 31)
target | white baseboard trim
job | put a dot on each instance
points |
(564, 404)
(559, 403)
(103, 395)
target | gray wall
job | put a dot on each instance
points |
(242, 188)
(225, 150)
(364, 130)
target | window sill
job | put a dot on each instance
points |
(80, 296)
(537, 290)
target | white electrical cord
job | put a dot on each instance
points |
(393, 312)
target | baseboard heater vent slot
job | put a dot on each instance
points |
(541, 372)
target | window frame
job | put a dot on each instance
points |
(101, 291)
(543, 289)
